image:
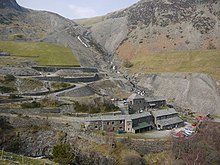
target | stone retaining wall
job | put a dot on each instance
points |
(55, 69)
(47, 92)
(35, 111)
(5, 101)
(69, 79)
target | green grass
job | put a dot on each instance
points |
(42, 52)
(90, 21)
(201, 61)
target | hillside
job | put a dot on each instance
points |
(18, 23)
(41, 52)
(152, 26)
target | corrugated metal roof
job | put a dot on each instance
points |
(164, 112)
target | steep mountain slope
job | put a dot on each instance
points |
(18, 23)
(196, 92)
(160, 25)
(168, 36)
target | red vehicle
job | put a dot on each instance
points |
(194, 124)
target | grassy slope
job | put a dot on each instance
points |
(45, 53)
(24, 160)
(89, 21)
(204, 61)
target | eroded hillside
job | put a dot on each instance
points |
(161, 25)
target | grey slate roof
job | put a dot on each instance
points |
(139, 115)
(117, 117)
(164, 112)
(154, 99)
(142, 125)
(169, 121)
(135, 96)
(106, 118)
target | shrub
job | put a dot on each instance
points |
(14, 145)
(5, 89)
(96, 108)
(211, 46)
(63, 154)
(33, 104)
(127, 64)
(13, 96)
(49, 103)
(60, 85)
(9, 78)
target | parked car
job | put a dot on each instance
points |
(184, 133)
(189, 129)
(188, 132)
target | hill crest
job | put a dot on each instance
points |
(10, 4)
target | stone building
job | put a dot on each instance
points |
(155, 102)
(134, 123)
(141, 122)
(167, 119)
(136, 103)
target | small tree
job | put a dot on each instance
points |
(63, 154)
(127, 64)
(9, 78)
(33, 104)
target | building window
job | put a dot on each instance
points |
(107, 123)
(121, 128)
(96, 127)
(113, 122)
(121, 121)
(128, 129)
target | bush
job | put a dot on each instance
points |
(49, 103)
(13, 96)
(211, 46)
(63, 154)
(127, 64)
(9, 78)
(98, 108)
(33, 104)
(60, 85)
(14, 145)
(5, 89)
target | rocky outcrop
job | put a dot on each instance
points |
(197, 92)
(110, 33)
